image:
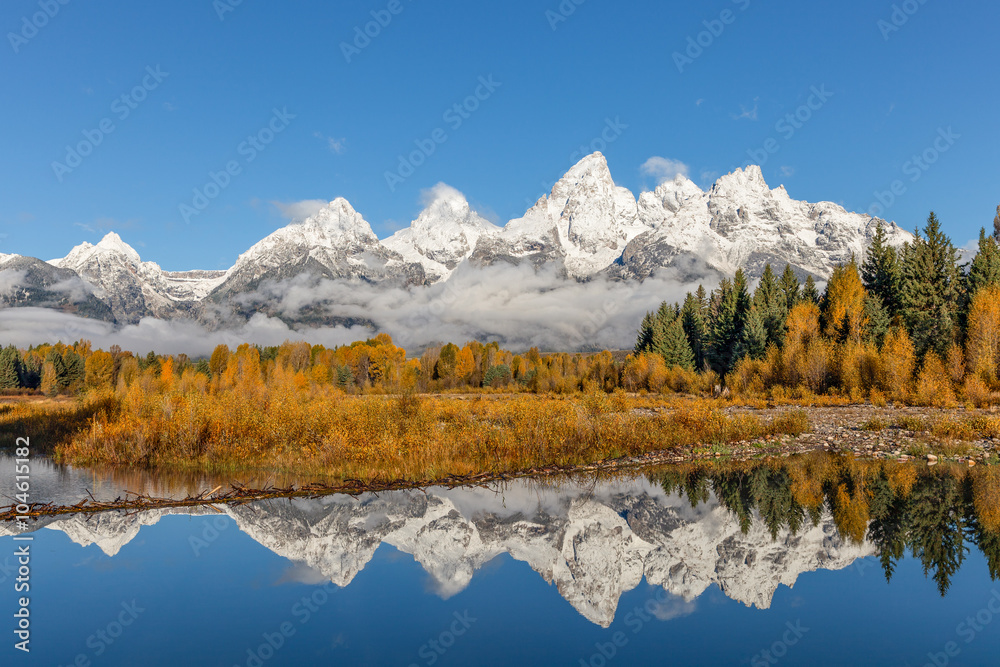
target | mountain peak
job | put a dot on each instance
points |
(750, 177)
(114, 243)
(85, 252)
(338, 218)
(593, 165)
(444, 234)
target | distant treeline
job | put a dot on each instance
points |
(376, 365)
(910, 323)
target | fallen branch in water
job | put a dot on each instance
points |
(239, 494)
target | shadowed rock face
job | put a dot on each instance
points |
(26, 282)
(593, 545)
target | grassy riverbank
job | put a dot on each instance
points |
(374, 437)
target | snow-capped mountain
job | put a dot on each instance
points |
(593, 545)
(443, 236)
(585, 223)
(741, 223)
(336, 243)
(134, 289)
(586, 228)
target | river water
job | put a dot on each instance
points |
(667, 566)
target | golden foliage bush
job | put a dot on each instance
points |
(934, 384)
(292, 424)
(898, 359)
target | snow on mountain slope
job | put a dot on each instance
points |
(443, 236)
(585, 222)
(132, 288)
(7, 258)
(337, 242)
(741, 223)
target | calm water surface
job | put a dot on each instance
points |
(672, 567)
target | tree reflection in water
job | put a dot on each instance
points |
(935, 512)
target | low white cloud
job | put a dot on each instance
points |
(11, 280)
(297, 211)
(664, 169)
(29, 326)
(440, 191)
(300, 573)
(518, 306)
(674, 607)
(76, 288)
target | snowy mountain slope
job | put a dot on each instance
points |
(26, 282)
(443, 235)
(585, 223)
(134, 289)
(337, 243)
(742, 223)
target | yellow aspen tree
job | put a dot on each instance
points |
(898, 360)
(844, 304)
(983, 336)
(465, 364)
(100, 370)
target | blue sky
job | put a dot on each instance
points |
(222, 75)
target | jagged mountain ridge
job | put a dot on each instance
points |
(131, 288)
(587, 227)
(593, 547)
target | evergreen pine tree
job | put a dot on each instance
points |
(76, 368)
(675, 349)
(743, 299)
(771, 304)
(809, 292)
(931, 293)
(729, 310)
(790, 287)
(880, 271)
(877, 320)
(10, 368)
(693, 321)
(702, 296)
(658, 341)
(31, 371)
(722, 327)
(985, 268)
(753, 338)
(996, 225)
(644, 340)
(58, 369)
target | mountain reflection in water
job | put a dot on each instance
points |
(747, 528)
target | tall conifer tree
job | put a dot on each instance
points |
(931, 290)
(880, 271)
